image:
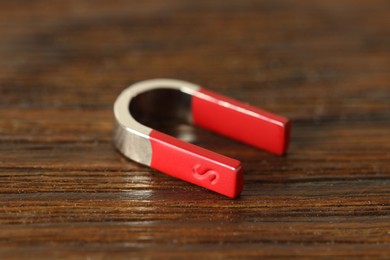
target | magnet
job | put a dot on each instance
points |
(204, 108)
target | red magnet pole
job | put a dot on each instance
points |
(204, 108)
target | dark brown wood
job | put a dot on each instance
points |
(66, 192)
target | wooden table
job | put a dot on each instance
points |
(66, 192)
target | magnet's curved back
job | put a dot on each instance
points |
(130, 136)
(206, 109)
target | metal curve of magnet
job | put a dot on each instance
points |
(206, 109)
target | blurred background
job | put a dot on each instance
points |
(305, 50)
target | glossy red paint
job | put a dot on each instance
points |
(196, 165)
(240, 121)
(227, 117)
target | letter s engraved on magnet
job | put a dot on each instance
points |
(209, 174)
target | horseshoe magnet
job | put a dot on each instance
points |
(204, 108)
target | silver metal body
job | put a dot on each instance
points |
(147, 99)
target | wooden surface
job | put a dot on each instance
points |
(66, 192)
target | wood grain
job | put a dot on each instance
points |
(65, 192)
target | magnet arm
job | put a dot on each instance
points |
(240, 121)
(195, 164)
